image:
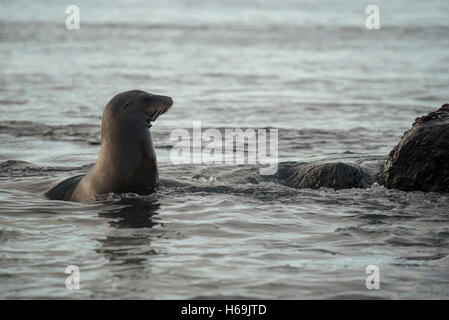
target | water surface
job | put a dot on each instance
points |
(334, 89)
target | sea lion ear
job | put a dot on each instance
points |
(126, 104)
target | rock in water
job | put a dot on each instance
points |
(336, 175)
(421, 159)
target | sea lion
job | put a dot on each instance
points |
(127, 160)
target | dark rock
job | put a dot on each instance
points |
(336, 175)
(421, 159)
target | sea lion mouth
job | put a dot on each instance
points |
(157, 111)
(164, 103)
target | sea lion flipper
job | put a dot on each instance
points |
(64, 189)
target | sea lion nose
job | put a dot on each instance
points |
(168, 101)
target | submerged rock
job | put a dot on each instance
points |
(421, 159)
(336, 175)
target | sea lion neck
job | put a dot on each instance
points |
(120, 148)
(127, 163)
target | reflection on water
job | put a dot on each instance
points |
(138, 213)
(131, 249)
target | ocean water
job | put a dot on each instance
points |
(333, 89)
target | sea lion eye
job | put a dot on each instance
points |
(126, 104)
(147, 99)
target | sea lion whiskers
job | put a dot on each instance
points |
(152, 116)
(158, 112)
(145, 119)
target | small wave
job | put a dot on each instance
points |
(17, 168)
(437, 256)
(72, 132)
(12, 102)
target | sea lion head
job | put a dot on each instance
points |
(132, 111)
